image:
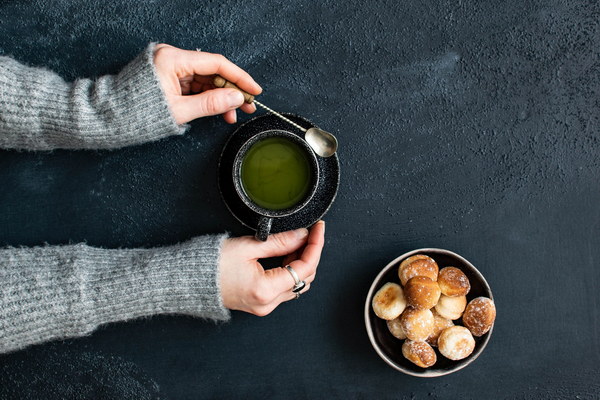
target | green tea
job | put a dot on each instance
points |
(276, 173)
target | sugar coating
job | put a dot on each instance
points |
(417, 323)
(451, 307)
(395, 328)
(453, 282)
(419, 353)
(418, 265)
(479, 315)
(422, 292)
(456, 343)
(389, 302)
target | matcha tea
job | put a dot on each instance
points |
(276, 173)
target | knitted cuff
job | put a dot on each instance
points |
(141, 108)
(179, 279)
(57, 292)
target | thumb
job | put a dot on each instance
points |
(210, 102)
(280, 244)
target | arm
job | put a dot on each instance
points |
(151, 98)
(40, 111)
(56, 292)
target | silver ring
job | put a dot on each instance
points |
(297, 295)
(294, 274)
(298, 284)
(297, 288)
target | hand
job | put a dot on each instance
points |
(247, 286)
(186, 78)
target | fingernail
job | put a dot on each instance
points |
(322, 223)
(235, 98)
(301, 233)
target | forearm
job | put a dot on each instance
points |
(40, 111)
(57, 292)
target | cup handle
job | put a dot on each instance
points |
(263, 228)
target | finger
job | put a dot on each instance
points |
(248, 108)
(230, 117)
(314, 246)
(279, 244)
(310, 278)
(161, 45)
(290, 257)
(201, 63)
(306, 265)
(211, 102)
(291, 295)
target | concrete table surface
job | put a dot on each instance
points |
(466, 125)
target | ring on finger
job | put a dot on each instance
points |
(298, 284)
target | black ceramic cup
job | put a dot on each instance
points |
(266, 216)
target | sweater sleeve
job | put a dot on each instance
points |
(40, 111)
(57, 292)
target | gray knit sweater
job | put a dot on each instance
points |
(56, 292)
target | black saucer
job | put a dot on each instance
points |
(329, 176)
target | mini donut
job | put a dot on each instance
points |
(417, 323)
(453, 282)
(479, 315)
(421, 292)
(451, 307)
(395, 328)
(419, 265)
(389, 302)
(456, 342)
(440, 323)
(419, 353)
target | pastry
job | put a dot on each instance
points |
(421, 292)
(419, 353)
(419, 265)
(395, 328)
(479, 315)
(456, 343)
(440, 323)
(417, 323)
(453, 282)
(388, 303)
(451, 307)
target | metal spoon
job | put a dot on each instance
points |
(322, 142)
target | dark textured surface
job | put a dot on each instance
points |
(471, 126)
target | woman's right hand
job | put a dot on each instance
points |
(186, 79)
(247, 286)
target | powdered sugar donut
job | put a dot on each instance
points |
(416, 323)
(456, 343)
(389, 302)
(421, 292)
(453, 282)
(451, 307)
(395, 328)
(418, 265)
(479, 315)
(419, 353)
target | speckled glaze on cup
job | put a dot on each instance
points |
(264, 224)
(389, 348)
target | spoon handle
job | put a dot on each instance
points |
(221, 82)
(280, 116)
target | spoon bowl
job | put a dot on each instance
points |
(323, 143)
